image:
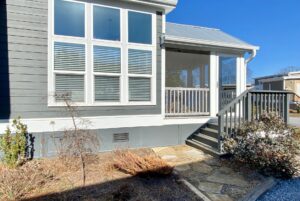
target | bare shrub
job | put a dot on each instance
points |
(16, 183)
(79, 141)
(267, 145)
(149, 165)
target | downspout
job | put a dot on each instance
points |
(247, 61)
(252, 56)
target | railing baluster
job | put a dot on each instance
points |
(240, 113)
(235, 117)
(205, 100)
(279, 104)
(226, 125)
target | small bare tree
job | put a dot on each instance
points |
(289, 69)
(79, 141)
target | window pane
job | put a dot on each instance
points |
(139, 61)
(106, 23)
(107, 59)
(140, 28)
(228, 70)
(69, 18)
(107, 88)
(69, 57)
(70, 87)
(139, 89)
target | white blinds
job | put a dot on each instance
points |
(139, 61)
(139, 89)
(69, 57)
(107, 59)
(107, 88)
(70, 87)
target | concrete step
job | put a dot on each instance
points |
(203, 147)
(210, 132)
(205, 139)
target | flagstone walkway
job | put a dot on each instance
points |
(218, 179)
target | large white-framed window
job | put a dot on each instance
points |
(101, 55)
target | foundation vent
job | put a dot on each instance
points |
(121, 137)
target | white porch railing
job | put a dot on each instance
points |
(187, 101)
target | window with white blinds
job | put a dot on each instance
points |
(69, 87)
(139, 62)
(69, 58)
(107, 88)
(139, 89)
(105, 59)
(107, 72)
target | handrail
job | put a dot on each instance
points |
(232, 102)
(248, 106)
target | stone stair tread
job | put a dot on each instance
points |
(201, 135)
(204, 147)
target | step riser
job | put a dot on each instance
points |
(205, 141)
(213, 126)
(209, 133)
(205, 150)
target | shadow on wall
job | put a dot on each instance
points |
(4, 65)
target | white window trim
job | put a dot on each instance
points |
(89, 43)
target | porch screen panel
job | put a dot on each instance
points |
(69, 57)
(139, 61)
(107, 88)
(70, 87)
(107, 59)
(139, 89)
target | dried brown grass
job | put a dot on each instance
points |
(148, 165)
(16, 183)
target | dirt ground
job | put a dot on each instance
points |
(104, 182)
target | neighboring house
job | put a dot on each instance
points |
(141, 81)
(286, 81)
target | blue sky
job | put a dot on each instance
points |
(274, 25)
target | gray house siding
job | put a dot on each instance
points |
(23, 60)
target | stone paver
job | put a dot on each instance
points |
(230, 179)
(213, 178)
(210, 187)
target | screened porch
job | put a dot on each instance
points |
(187, 84)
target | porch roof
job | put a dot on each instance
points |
(190, 34)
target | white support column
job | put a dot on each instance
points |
(213, 84)
(240, 76)
(163, 70)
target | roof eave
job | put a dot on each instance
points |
(170, 39)
(166, 5)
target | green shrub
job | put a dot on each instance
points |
(267, 145)
(13, 144)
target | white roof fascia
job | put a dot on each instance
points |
(209, 43)
(273, 79)
(167, 5)
(291, 77)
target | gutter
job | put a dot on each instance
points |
(167, 5)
